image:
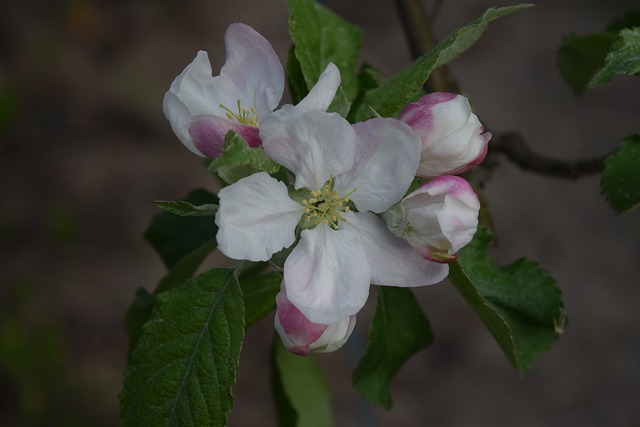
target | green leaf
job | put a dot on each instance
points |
(184, 366)
(620, 182)
(622, 59)
(300, 390)
(394, 94)
(519, 303)
(320, 36)
(340, 104)
(139, 312)
(398, 331)
(182, 208)
(259, 292)
(174, 237)
(580, 57)
(239, 160)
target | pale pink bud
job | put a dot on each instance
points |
(441, 217)
(300, 336)
(452, 138)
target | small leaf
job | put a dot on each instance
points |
(398, 331)
(580, 57)
(340, 104)
(320, 36)
(620, 182)
(174, 237)
(519, 303)
(182, 208)
(259, 292)
(239, 160)
(623, 57)
(184, 366)
(394, 94)
(300, 390)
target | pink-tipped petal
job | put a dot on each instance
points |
(296, 331)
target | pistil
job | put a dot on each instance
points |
(326, 206)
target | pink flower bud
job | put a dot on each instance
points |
(452, 138)
(441, 217)
(300, 336)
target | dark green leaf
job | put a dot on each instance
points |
(399, 330)
(259, 292)
(239, 160)
(184, 366)
(519, 303)
(620, 182)
(320, 36)
(301, 395)
(174, 237)
(393, 95)
(580, 57)
(139, 312)
(623, 58)
(182, 208)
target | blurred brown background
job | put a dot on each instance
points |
(85, 148)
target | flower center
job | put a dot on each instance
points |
(326, 207)
(244, 116)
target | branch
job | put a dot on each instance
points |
(417, 28)
(514, 147)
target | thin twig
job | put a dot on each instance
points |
(515, 148)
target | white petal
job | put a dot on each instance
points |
(326, 276)
(334, 336)
(253, 66)
(256, 218)
(393, 261)
(323, 92)
(386, 158)
(314, 146)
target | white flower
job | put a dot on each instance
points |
(438, 219)
(367, 166)
(202, 108)
(300, 336)
(452, 138)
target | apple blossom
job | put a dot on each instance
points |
(346, 174)
(452, 138)
(300, 336)
(438, 219)
(202, 109)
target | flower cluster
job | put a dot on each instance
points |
(344, 219)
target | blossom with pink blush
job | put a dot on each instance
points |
(202, 108)
(439, 218)
(301, 336)
(348, 174)
(452, 136)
